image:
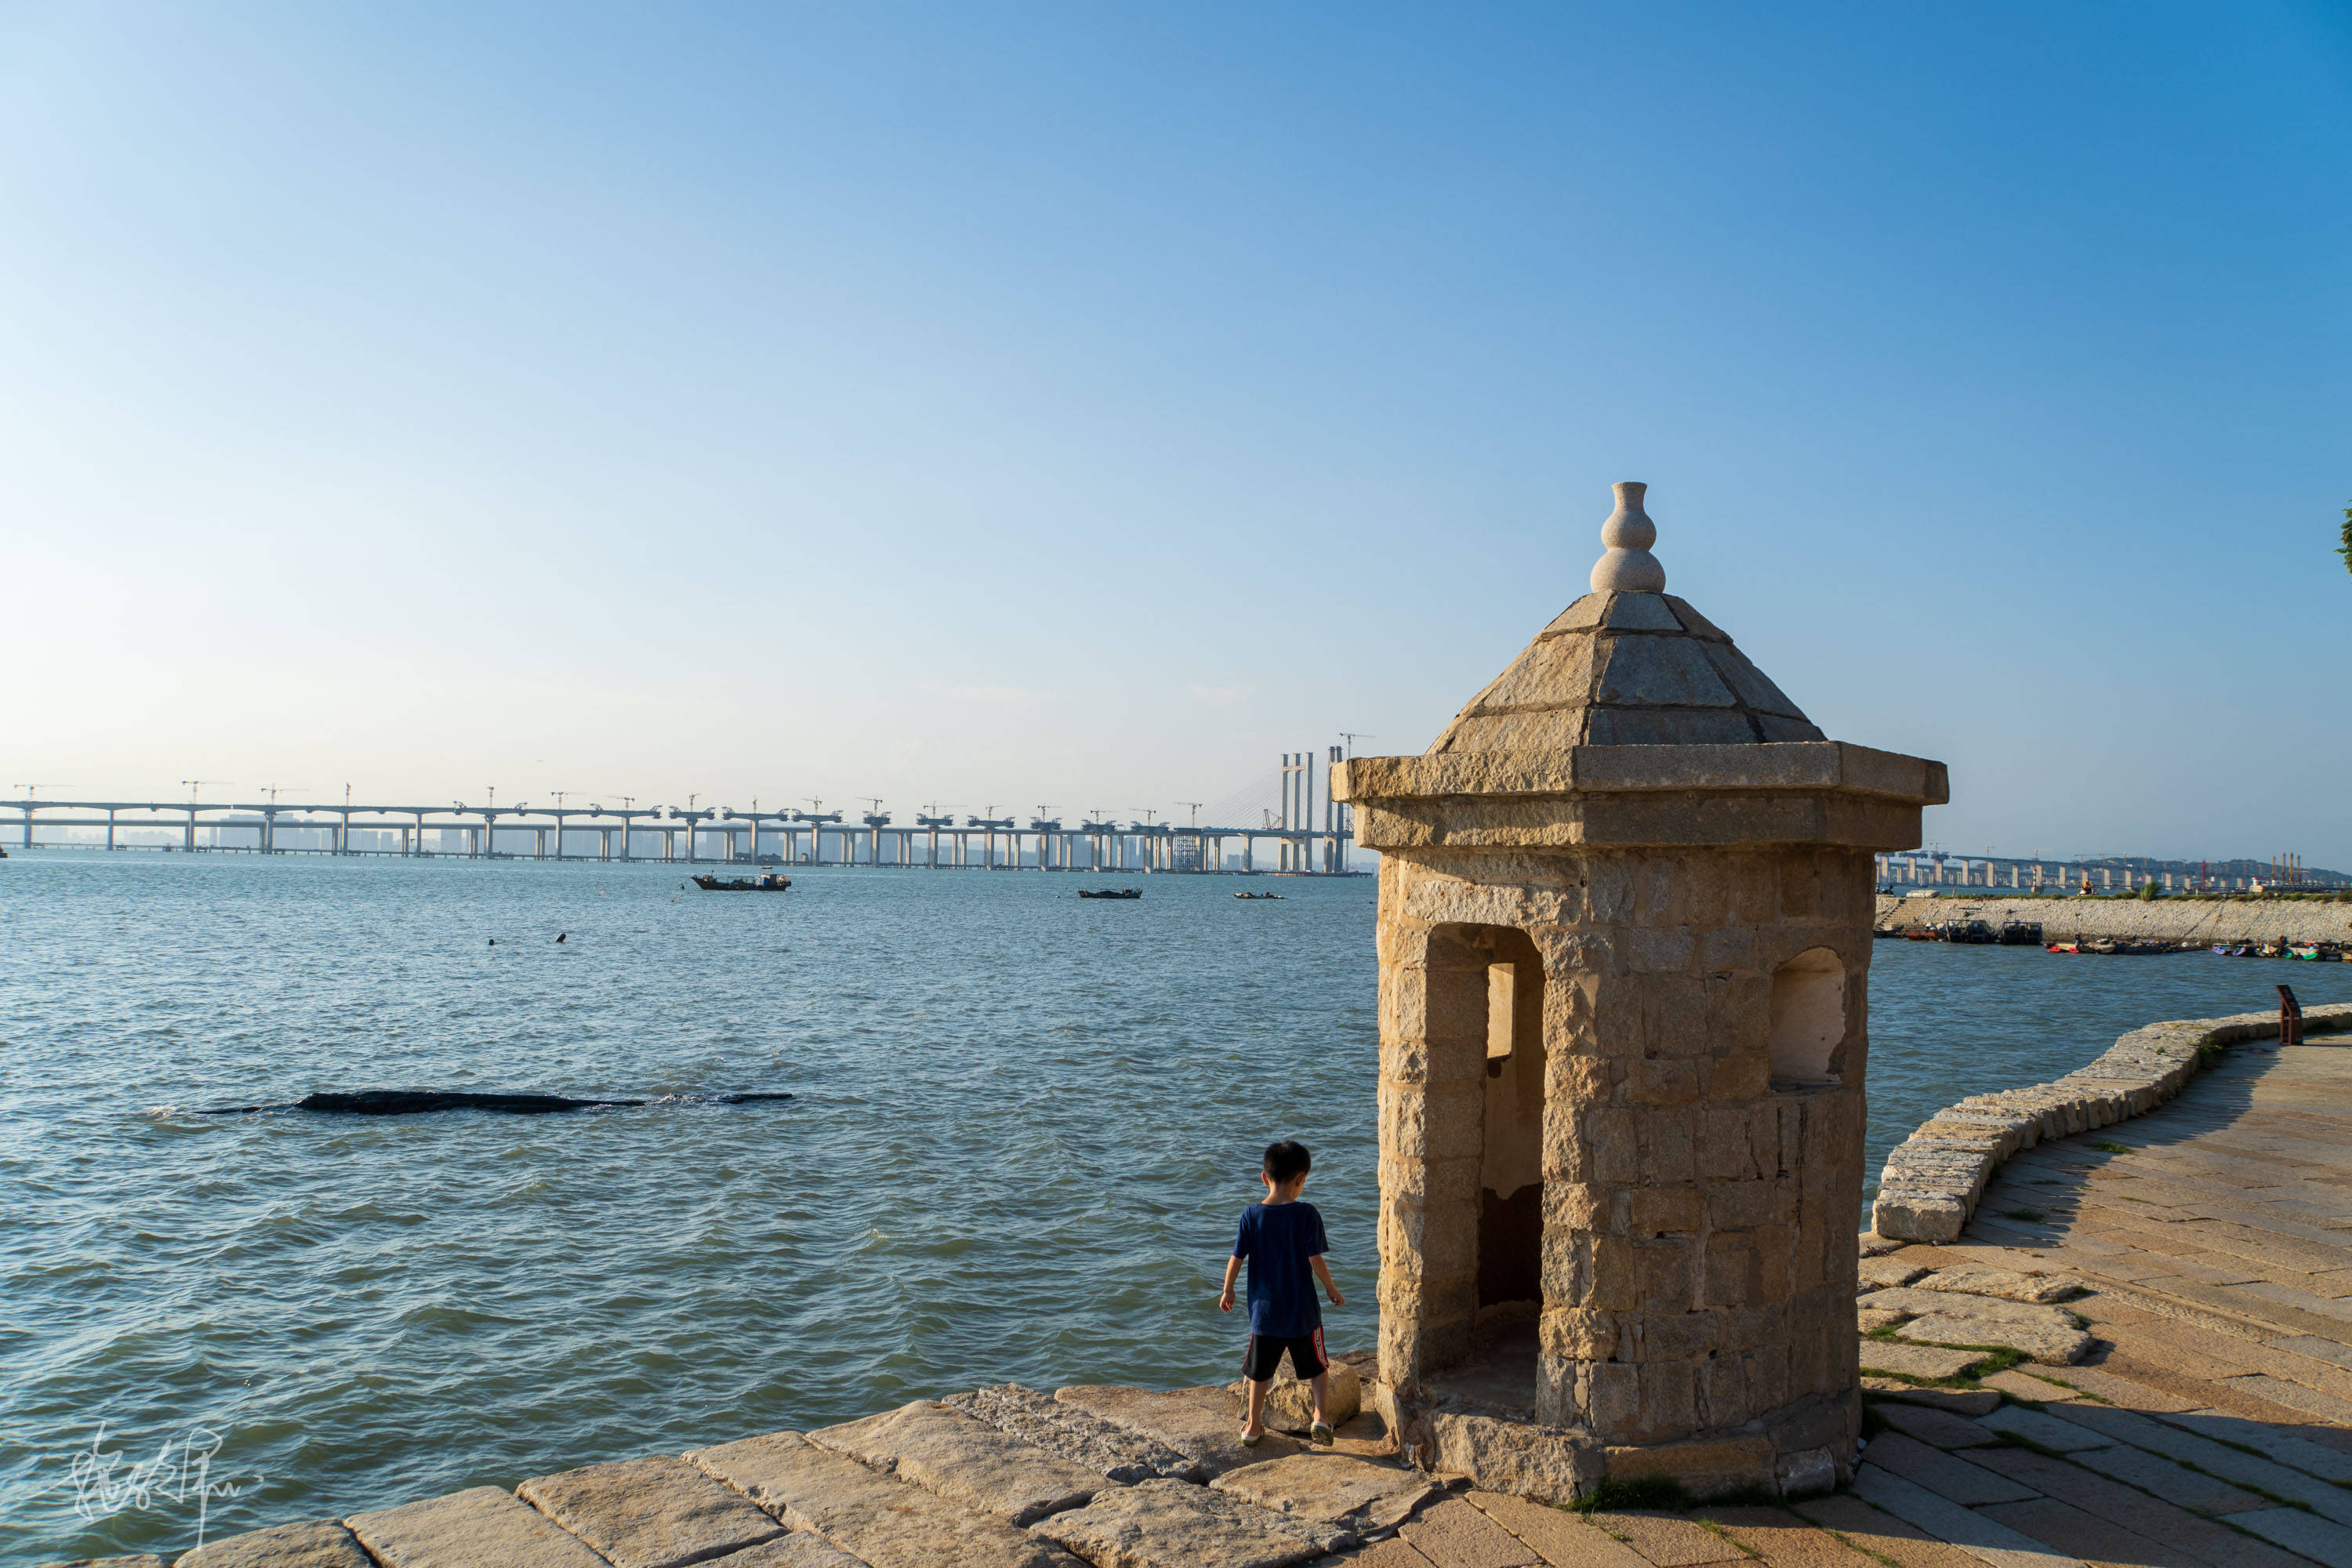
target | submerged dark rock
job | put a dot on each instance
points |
(420, 1101)
(424, 1101)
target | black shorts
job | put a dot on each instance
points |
(1264, 1356)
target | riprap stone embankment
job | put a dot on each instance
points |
(2152, 920)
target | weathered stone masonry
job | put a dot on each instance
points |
(1623, 1041)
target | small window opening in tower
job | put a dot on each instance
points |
(1808, 1019)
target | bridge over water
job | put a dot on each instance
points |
(1289, 839)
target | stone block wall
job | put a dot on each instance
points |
(1697, 1259)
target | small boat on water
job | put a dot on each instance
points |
(1919, 934)
(772, 882)
(2064, 947)
(2242, 950)
(1974, 933)
(2020, 933)
(1110, 892)
(1275, 896)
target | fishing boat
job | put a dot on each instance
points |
(1920, 933)
(2242, 950)
(1275, 896)
(2064, 947)
(771, 882)
(2020, 933)
(1110, 892)
(1974, 933)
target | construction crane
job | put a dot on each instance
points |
(1352, 736)
(1194, 806)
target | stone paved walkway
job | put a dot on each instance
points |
(2210, 1421)
(2203, 1421)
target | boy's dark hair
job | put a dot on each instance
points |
(1285, 1160)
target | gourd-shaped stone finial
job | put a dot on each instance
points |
(1627, 566)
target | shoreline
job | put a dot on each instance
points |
(2154, 920)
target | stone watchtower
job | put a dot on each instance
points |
(1624, 934)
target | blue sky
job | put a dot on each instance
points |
(1080, 405)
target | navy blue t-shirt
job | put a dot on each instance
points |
(1277, 1239)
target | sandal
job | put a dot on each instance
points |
(1321, 1435)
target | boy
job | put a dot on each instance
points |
(1282, 1238)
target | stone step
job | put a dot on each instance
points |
(797, 1550)
(1969, 1279)
(1943, 1428)
(1916, 1360)
(2183, 1536)
(881, 1521)
(2299, 1532)
(2047, 1334)
(1949, 1476)
(1986, 1540)
(2050, 1346)
(317, 1543)
(1917, 1302)
(2048, 1431)
(2288, 1449)
(1177, 1524)
(1562, 1540)
(965, 1461)
(1960, 1401)
(2231, 1464)
(1456, 1531)
(1365, 1496)
(1119, 1453)
(658, 1512)
(470, 1529)
(1205, 1425)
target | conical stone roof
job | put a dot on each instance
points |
(1627, 665)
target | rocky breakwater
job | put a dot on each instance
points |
(2151, 920)
(1932, 1180)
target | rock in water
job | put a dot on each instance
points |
(426, 1101)
(423, 1101)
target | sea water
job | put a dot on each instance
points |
(1023, 1129)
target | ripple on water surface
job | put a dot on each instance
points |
(1023, 1128)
